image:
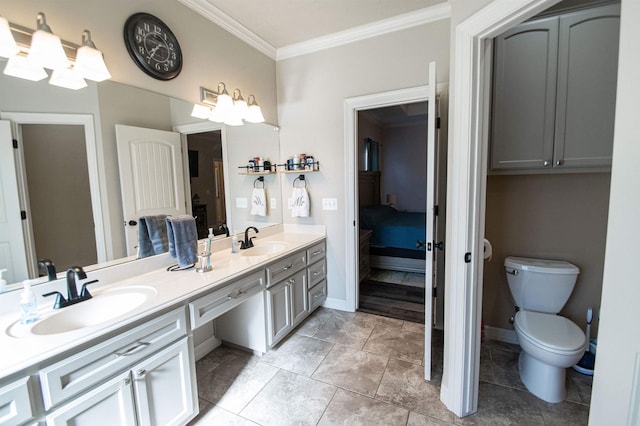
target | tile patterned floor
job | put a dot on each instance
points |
(341, 368)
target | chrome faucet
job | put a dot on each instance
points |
(248, 242)
(72, 290)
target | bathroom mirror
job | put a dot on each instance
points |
(110, 103)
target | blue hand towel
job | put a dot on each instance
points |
(183, 239)
(152, 235)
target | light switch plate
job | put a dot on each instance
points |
(329, 204)
(273, 203)
(241, 203)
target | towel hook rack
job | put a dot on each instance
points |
(300, 178)
(259, 179)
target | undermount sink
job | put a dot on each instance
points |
(264, 249)
(102, 307)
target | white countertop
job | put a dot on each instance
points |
(171, 289)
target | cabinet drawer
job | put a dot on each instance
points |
(15, 402)
(316, 272)
(285, 267)
(317, 295)
(211, 306)
(79, 372)
(316, 252)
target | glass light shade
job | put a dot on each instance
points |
(201, 111)
(233, 119)
(8, 46)
(254, 114)
(90, 64)
(240, 108)
(67, 78)
(224, 107)
(46, 51)
(19, 66)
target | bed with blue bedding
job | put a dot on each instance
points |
(398, 238)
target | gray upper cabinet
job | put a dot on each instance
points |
(554, 93)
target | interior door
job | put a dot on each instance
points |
(151, 176)
(12, 243)
(430, 218)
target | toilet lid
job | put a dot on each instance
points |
(551, 331)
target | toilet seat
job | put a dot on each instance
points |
(550, 332)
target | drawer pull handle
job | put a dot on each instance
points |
(126, 382)
(141, 373)
(315, 273)
(292, 280)
(132, 350)
(234, 296)
(316, 252)
(289, 266)
(315, 296)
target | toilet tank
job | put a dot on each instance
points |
(540, 285)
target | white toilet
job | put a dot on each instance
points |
(550, 343)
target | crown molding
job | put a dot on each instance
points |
(229, 24)
(374, 29)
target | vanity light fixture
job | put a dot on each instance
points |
(225, 109)
(46, 48)
(39, 49)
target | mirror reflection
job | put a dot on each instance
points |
(65, 174)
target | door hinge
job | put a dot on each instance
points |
(435, 292)
(15, 143)
(437, 122)
(23, 215)
(354, 223)
(467, 257)
(435, 210)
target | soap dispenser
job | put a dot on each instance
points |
(28, 305)
(234, 242)
(3, 282)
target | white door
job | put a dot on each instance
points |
(12, 243)
(151, 176)
(431, 182)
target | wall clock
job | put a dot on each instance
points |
(152, 46)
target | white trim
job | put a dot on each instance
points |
(338, 304)
(500, 334)
(363, 32)
(466, 196)
(97, 184)
(205, 347)
(226, 22)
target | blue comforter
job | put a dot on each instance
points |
(392, 228)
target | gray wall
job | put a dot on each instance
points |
(560, 217)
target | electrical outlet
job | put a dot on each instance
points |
(241, 203)
(273, 203)
(329, 204)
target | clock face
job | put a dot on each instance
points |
(152, 46)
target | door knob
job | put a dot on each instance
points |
(132, 223)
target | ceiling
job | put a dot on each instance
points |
(286, 22)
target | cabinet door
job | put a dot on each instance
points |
(587, 76)
(278, 311)
(15, 402)
(110, 403)
(164, 387)
(299, 300)
(524, 85)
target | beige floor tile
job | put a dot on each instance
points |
(348, 408)
(403, 385)
(351, 369)
(578, 387)
(413, 326)
(352, 332)
(290, 399)
(319, 318)
(234, 383)
(417, 419)
(379, 321)
(396, 343)
(565, 413)
(298, 354)
(213, 415)
(505, 368)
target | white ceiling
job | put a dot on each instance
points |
(286, 22)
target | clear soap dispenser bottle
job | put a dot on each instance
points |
(234, 242)
(28, 305)
(3, 282)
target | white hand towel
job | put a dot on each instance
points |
(300, 207)
(258, 202)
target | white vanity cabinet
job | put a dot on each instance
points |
(554, 93)
(286, 306)
(16, 403)
(316, 276)
(144, 376)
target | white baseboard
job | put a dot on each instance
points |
(205, 347)
(500, 334)
(339, 304)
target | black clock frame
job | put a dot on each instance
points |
(139, 58)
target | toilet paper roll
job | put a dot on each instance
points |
(488, 249)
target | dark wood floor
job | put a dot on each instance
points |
(392, 300)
